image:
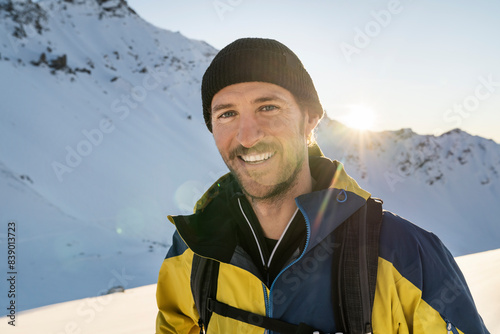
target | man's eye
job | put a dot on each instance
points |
(269, 108)
(227, 114)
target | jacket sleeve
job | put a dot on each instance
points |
(429, 290)
(177, 311)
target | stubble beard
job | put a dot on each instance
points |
(270, 193)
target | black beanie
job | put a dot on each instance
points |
(258, 59)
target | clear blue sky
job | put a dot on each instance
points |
(428, 65)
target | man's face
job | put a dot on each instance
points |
(261, 134)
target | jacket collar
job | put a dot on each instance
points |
(210, 231)
(324, 210)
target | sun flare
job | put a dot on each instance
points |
(360, 117)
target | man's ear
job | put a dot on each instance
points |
(311, 121)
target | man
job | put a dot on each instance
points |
(270, 224)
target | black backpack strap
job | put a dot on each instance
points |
(204, 276)
(258, 320)
(355, 268)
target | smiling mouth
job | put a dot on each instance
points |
(256, 158)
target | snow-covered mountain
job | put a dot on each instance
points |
(448, 184)
(102, 136)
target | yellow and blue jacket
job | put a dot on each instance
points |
(419, 289)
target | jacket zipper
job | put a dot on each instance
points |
(202, 328)
(339, 289)
(268, 264)
(363, 274)
(308, 236)
(268, 298)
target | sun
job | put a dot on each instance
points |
(360, 117)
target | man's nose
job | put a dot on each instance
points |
(250, 131)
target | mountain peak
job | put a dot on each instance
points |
(431, 160)
(86, 38)
(404, 133)
(26, 14)
(455, 131)
(103, 8)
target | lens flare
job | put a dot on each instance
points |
(360, 117)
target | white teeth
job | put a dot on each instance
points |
(254, 158)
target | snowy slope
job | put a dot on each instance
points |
(102, 136)
(129, 312)
(449, 184)
(92, 162)
(134, 311)
(482, 272)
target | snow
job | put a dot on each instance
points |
(134, 311)
(94, 155)
(482, 272)
(87, 162)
